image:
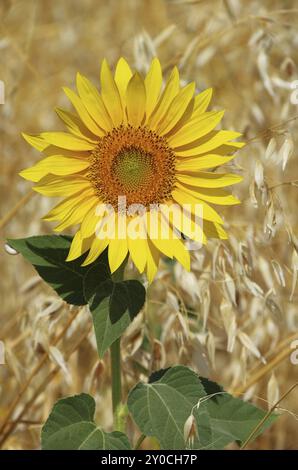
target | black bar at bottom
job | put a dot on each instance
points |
(136, 459)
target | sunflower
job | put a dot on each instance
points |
(145, 141)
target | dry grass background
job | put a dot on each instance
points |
(234, 316)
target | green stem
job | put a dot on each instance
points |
(140, 441)
(115, 351)
(116, 378)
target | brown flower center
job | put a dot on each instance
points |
(132, 162)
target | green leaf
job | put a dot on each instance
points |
(113, 304)
(70, 426)
(232, 419)
(48, 254)
(162, 407)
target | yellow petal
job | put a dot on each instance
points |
(93, 102)
(209, 180)
(214, 230)
(110, 94)
(158, 232)
(123, 74)
(169, 93)
(178, 248)
(117, 253)
(59, 211)
(137, 243)
(67, 141)
(82, 112)
(153, 257)
(196, 128)
(184, 222)
(211, 141)
(168, 242)
(184, 197)
(230, 146)
(153, 83)
(52, 151)
(75, 125)
(106, 227)
(75, 247)
(202, 101)
(138, 252)
(78, 246)
(56, 165)
(181, 253)
(75, 215)
(215, 196)
(97, 247)
(54, 186)
(176, 109)
(135, 100)
(163, 246)
(193, 165)
(90, 221)
(36, 141)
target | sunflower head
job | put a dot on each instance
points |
(132, 167)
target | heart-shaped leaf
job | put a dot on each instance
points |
(113, 304)
(48, 255)
(232, 419)
(162, 407)
(70, 426)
